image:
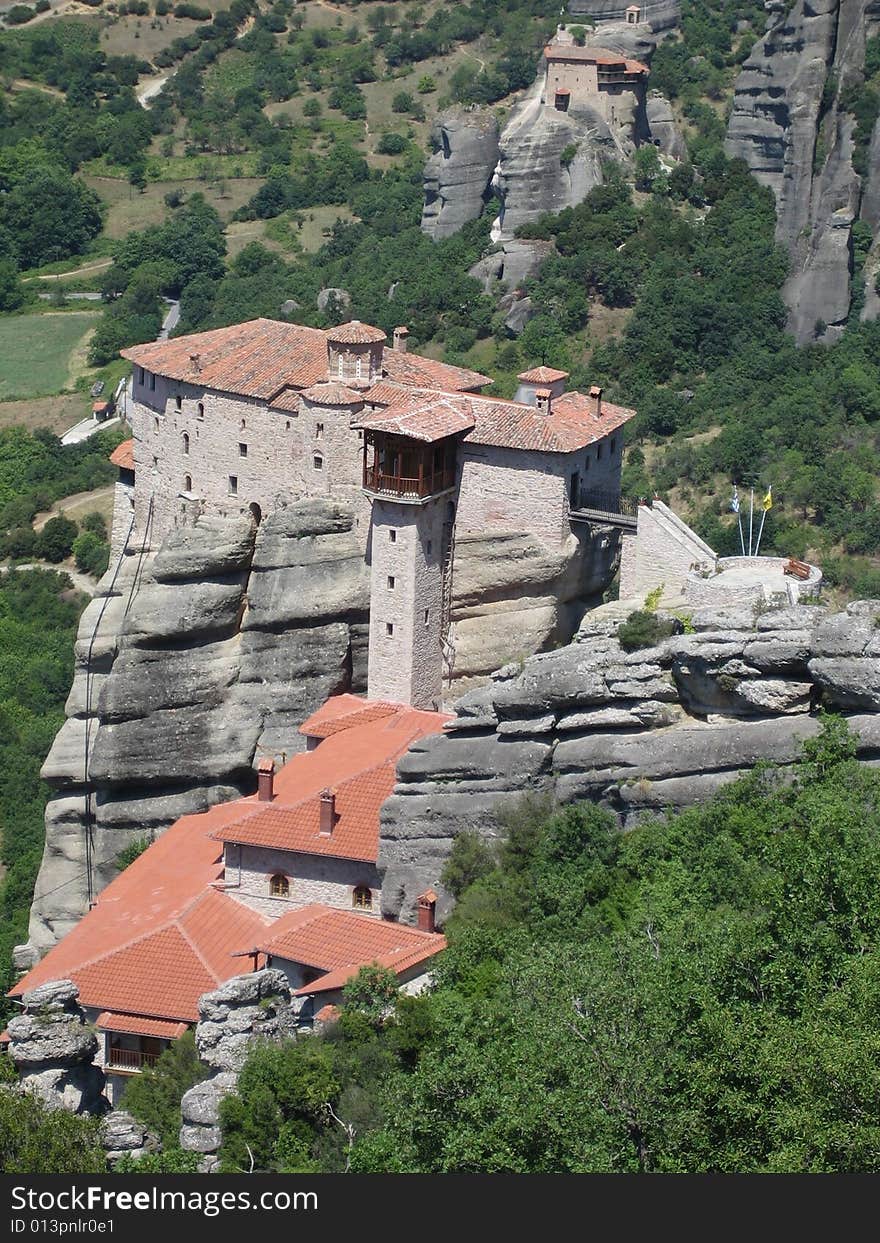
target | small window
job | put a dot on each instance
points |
(427, 617)
(587, 464)
(390, 582)
(178, 401)
(360, 435)
(613, 445)
(279, 886)
(140, 375)
(287, 426)
(318, 462)
(152, 381)
(358, 368)
(392, 536)
(429, 546)
(155, 463)
(187, 483)
(155, 425)
(340, 364)
(319, 431)
(243, 424)
(185, 442)
(233, 485)
(242, 449)
(200, 410)
(598, 452)
(389, 628)
(362, 898)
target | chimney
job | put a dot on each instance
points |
(196, 360)
(328, 812)
(596, 394)
(401, 338)
(542, 400)
(427, 904)
(266, 780)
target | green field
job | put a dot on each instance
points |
(41, 354)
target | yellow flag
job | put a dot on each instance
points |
(767, 502)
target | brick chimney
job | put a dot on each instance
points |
(543, 398)
(427, 905)
(266, 780)
(328, 812)
(401, 339)
(596, 394)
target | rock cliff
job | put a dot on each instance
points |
(790, 125)
(658, 14)
(459, 173)
(52, 1048)
(634, 731)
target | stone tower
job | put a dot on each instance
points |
(409, 550)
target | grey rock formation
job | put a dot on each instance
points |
(659, 14)
(512, 263)
(458, 174)
(246, 1008)
(789, 126)
(202, 657)
(200, 1115)
(123, 1136)
(52, 1048)
(636, 732)
(663, 128)
(340, 297)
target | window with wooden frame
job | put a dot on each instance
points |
(279, 886)
(362, 898)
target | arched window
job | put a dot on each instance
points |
(362, 898)
(318, 462)
(200, 410)
(279, 886)
(187, 483)
(186, 442)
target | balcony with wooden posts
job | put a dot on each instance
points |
(407, 470)
(134, 1060)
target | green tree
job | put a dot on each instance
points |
(154, 1097)
(37, 1140)
(56, 539)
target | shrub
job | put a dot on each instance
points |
(643, 629)
(56, 539)
(391, 144)
(402, 102)
(92, 553)
(19, 14)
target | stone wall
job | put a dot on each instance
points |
(312, 878)
(636, 732)
(666, 550)
(512, 490)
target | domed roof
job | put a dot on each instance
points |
(355, 333)
(332, 394)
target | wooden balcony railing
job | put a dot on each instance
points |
(376, 480)
(130, 1059)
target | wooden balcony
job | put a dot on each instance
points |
(130, 1059)
(415, 486)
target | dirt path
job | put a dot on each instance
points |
(82, 582)
(79, 502)
(88, 269)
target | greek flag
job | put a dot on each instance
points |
(734, 500)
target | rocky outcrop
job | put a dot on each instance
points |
(190, 664)
(789, 125)
(123, 1136)
(636, 732)
(244, 1010)
(663, 127)
(52, 1048)
(658, 14)
(458, 174)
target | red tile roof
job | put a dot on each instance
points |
(342, 711)
(542, 375)
(355, 333)
(332, 394)
(123, 455)
(137, 1025)
(341, 942)
(593, 56)
(159, 936)
(359, 763)
(428, 418)
(264, 358)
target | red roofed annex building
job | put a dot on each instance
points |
(287, 876)
(592, 77)
(247, 418)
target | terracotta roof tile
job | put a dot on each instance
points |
(332, 394)
(137, 1025)
(427, 418)
(593, 56)
(542, 375)
(123, 455)
(265, 358)
(341, 942)
(355, 333)
(342, 711)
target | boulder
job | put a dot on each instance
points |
(123, 1136)
(246, 1008)
(341, 298)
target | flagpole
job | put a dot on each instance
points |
(763, 516)
(751, 514)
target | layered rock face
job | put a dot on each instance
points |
(52, 1049)
(636, 732)
(459, 173)
(789, 126)
(659, 14)
(189, 664)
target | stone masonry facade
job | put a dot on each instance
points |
(312, 879)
